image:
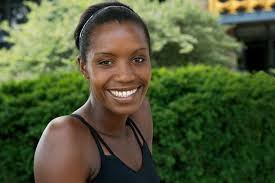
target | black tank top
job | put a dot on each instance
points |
(113, 170)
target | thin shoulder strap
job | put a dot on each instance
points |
(97, 137)
(135, 128)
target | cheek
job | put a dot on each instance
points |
(97, 82)
(145, 73)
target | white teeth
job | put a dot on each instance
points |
(128, 93)
(123, 94)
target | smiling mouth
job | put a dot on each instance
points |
(123, 93)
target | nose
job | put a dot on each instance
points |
(125, 72)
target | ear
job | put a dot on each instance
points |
(83, 67)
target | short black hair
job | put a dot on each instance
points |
(102, 13)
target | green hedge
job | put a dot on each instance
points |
(211, 125)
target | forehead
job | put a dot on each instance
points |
(116, 34)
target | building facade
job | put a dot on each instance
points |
(253, 23)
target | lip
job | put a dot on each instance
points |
(124, 88)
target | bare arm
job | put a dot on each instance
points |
(57, 158)
(143, 119)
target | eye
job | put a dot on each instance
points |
(138, 59)
(105, 62)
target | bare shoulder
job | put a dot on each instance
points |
(61, 154)
(143, 119)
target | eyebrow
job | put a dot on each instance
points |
(107, 53)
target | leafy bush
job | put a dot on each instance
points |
(210, 124)
(213, 125)
(180, 31)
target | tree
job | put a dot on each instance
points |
(181, 33)
(14, 12)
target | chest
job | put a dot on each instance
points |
(114, 170)
(128, 151)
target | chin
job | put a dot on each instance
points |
(125, 110)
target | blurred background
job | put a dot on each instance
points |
(248, 22)
(212, 91)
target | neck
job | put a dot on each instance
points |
(105, 121)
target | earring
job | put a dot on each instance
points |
(86, 76)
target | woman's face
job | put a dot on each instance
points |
(118, 67)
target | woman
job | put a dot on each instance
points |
(109, 138)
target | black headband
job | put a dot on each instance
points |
(99, 11)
